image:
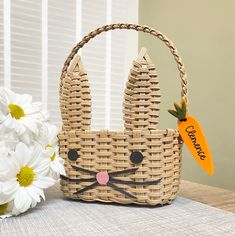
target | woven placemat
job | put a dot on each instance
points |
(59, 216)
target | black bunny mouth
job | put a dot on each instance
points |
(106, 178)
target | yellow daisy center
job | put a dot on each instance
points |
(54, 153)
(26, 176)
(16, 111)
(53, 156)
(3, 208)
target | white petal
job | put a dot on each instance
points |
(15, 211)
(44, 182)
(19, 198)
(33, 109)
(37, 151)
(23, 100)
(8, 121)
(53, 132)
(14, 167)
(58, 168)
(22, 153)
(14, 124)
(33, 204)
(30, 124)
(22, 200)
(34, 195)
(39, 191)
(6, 198)
(36, 159)
(42, 138)
(4, 110)
(41, 166)
(10, 96)
(11, 168)
(10, 187)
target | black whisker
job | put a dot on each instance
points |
(84, 170)
(115, 187)
(77, 180)
(120, 172)
(150, 182)
(87, 188)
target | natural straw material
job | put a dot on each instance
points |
(110, 151)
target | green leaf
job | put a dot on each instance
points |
(177, 107)
(184, 109)
(174, 113)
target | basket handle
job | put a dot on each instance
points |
(136, 27)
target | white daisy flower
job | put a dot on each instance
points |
(4, 211)
(8, 210)
(56, 166)
(49, 141)
(18, 112)
(25, 178)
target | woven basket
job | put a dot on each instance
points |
(139, 165)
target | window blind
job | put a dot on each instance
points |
(26, 47)
(36, 37)
(61, 38)
(1, 45)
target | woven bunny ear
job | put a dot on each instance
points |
(78, 94)
(142, 95)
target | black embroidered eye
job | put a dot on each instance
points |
(136, 157)
(72, 155)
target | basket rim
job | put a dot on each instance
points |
(103, 131)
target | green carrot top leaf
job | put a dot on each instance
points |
(180, 111)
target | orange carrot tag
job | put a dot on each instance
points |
(192, 135)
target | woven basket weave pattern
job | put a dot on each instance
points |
(108, 151)
(112, 150)
(142, 95)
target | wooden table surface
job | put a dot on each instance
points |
(216, 197)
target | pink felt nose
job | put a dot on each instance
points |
(102, 178)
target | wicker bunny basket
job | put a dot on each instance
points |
(140, 164)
